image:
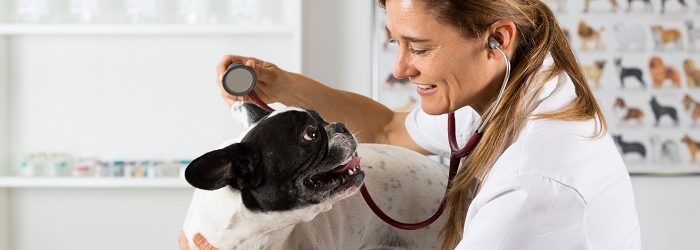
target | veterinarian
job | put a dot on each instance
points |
(546, 174)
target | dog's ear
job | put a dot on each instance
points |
(248, 113)
(236, 165)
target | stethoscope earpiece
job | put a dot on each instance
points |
(493, 43)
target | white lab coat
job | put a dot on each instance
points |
(553, 188)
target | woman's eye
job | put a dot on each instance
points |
(418, 52)
(310, 133)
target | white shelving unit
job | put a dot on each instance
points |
(133, 81)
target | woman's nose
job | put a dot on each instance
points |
(404, 68)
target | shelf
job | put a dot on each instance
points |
(91, 182)
(142, 29)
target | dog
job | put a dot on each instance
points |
(613, 4)
(594, 72)
(630, 113)
(647, 5)
(666, 151)
(626, 72)
(289, 182)
(693, 33)
(666, 36)
(629, 147)
(660, 111)
(692, 73)
(663, 5)
(660, 73)
(630, 36)
(590, 35)
(693, 147)
(693, 107)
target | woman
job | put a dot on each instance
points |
(546, 174)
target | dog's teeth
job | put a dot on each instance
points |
(351, 171)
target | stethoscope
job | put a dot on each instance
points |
(239, 80)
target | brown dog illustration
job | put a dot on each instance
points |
(660, 73)
(631, 113)
(665, 36)
(590, 35)
(692, 73)
(594, 72)
(613, 5)
(692, 147)
(693, 107)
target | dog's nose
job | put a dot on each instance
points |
(337, 128)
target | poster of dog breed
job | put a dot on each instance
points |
(594, 72)
(684, 7)
(693, 34)
(630, 147)
(693, 148)
(647, 5)
(627, 114)
(663, 37)
(664, 151)
(692, 107)
(661, 111)
(588, 34)
(662, 73)
(628, 72)
(692, 73)
(613, 5)
(630, 37)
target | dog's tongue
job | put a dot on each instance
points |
(354, 162)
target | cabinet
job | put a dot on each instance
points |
(118, 91)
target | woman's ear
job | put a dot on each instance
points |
(505, 31)
(236, 165)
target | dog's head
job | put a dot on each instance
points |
(289, 159)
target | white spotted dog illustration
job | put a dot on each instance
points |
(627, 72)
(660, 111)
(693, 147)
(630, 37)
(665, 151)
(693, 33)
(647, 5)
(628, 113)
(692, 107)
(588, 34)
(627, 148)
(663, 36)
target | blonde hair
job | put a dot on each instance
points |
(538, 35)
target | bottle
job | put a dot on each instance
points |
(193, 11)
(26, 169)
(143, 11)
(32, 11)
(84, 10)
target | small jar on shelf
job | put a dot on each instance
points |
(32, 11)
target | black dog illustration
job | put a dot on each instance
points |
(663, 5)
(660, 111)
(629, 147)
(628, 72)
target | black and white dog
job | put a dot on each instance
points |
(290, 182)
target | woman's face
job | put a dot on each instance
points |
(449, 70)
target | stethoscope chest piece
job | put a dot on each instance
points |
(238, 79)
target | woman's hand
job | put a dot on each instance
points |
(199, 241)
(273, 84)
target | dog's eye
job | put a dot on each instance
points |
(310, 133)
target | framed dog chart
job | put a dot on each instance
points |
(642, 60)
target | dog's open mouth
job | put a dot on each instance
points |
(345, 175)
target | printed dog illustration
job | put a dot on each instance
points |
(660, 111)
(630, 113)
(692, 73)
(666, 151)
(693, 32)
(664, 36)
(630, 36)
(594, 72)
(660, 73)
(590, 35)
(613, 4)
(626, 72)
(693, 147)
(629, 147)
(647, 5)
(663, 5)
(693, 107)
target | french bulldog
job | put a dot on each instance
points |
(290, 182)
